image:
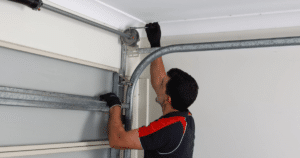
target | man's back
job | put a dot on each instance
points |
(170, 136)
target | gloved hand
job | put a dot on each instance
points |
(154, 34)
(34, 4)
(111, 99)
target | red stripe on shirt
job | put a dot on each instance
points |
(160, 124)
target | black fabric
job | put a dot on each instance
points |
(154, 34)
(111, 99)
(167, 139)
(30, 3)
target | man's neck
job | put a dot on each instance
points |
(168, 109)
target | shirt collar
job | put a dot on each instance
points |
(176, 113)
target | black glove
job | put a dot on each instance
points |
(34, 4)
(154, 34)
(111, 99)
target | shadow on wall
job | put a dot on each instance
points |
(95, 129)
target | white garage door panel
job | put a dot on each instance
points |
(55, 34)
(35, 126)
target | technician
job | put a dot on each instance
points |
(173, 134)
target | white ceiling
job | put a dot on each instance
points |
(174, 10)
(178, 17)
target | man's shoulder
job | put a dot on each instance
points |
(174, 123)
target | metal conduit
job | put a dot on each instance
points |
(257, 43)
(59, 11)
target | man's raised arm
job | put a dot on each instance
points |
(157, 69)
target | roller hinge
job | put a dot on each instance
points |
(125, 82)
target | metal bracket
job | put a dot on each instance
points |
(39, 5)
(138, 27)
(133, 51)
(125, 82)
(125, 106)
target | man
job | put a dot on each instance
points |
(173, 134)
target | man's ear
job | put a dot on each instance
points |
(169, 99)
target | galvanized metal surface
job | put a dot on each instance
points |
(44, 93)
(158, 52)
(127, 153)
(144, 50)
(59, 11)
(41, 99)
(122, 91)
(6, 149)
(138, 27)
(114, 153)
(60, 150)
(274, 42)
(116, 81)
(123, 60)
(121, 153)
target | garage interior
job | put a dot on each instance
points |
(243, 54)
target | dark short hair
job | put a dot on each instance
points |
(182, 88)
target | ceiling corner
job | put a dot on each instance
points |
(100, 12)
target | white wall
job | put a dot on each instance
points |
(50, 34)
(248, 103)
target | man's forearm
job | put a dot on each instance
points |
(115, 127)
(157, 71)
